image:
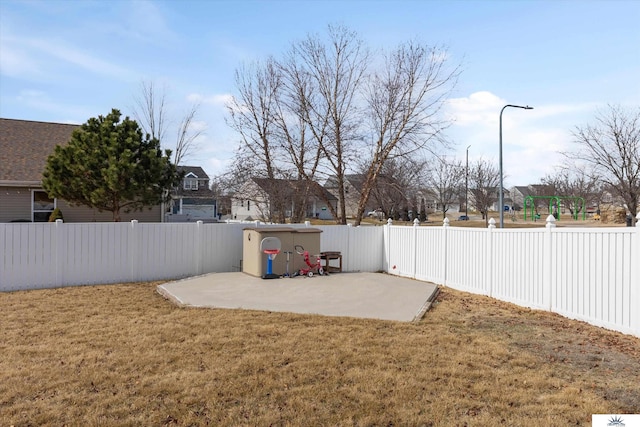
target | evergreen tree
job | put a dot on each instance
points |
(111, 166)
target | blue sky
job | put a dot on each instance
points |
(67, 61)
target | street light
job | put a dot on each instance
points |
(501, 195)
(466, 187)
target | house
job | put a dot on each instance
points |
(430, 199)
(489, 197)
(353, 184)
(519, 194)
(277, 199)
(24, 148)
(192, 200)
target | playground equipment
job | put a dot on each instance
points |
(554, 206)
(310, 266)
(270, 246)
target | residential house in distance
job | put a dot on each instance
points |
(268, 199)
(24, 148)
(430, 200)
(193, 200)
(352, 190)
(519, 194)
(489, 195)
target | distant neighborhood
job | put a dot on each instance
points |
(25, 146)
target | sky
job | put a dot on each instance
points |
(67, 61)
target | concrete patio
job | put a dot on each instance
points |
(360, 295)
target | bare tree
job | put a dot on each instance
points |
(252, 113)
(322, 108)
(253, 116)
(275, 143)
(444, 181)
(295, 135)
(150, 111)
(574, 184)
(188, 134)
(484, 178)
(611, 147)
(334, 74)
(398, 183)
(403, 105)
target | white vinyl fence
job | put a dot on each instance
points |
(44, 255)
(591, 274)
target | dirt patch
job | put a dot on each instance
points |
(605, 360)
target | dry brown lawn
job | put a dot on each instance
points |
(123, 355)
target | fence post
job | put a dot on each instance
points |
(548, 263)
(387, 242)
(133, 250)
(59, 252)
(634, 292)
(492, 256)
(416, 224)
(445, 227)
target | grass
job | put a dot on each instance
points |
(123, 355)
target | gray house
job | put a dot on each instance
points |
(192, 200)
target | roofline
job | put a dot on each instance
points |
(40, 121)
(7, 183)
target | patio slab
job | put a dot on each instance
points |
(361, 295)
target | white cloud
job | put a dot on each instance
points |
(199, 126)
(216, 166)
(80, 58)
(28, 57)
(145, 21)
(479, 107)
(219, 100)
(15, 62)
(533, 140)
(39, 100)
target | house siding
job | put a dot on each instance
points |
(257, 205)
(15, 204)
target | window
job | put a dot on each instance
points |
(42, 206)
(248, 205)
(190, 183)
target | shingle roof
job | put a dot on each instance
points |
(525, 191)
(25, 146)
(202, 191)
(196, 170)
(286, 188)
(356, 180)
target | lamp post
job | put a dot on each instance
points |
(466, 187)
(501, 195)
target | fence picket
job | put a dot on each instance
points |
(591, 274)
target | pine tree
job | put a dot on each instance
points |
(111, 166)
